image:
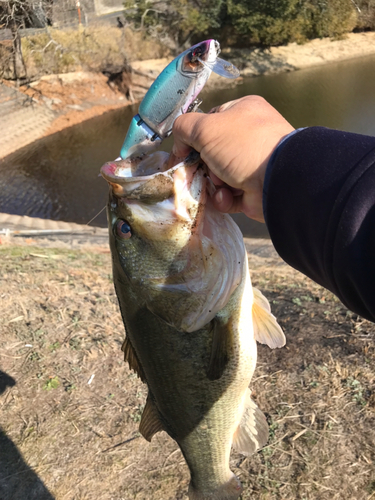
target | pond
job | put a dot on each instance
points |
(57, 177)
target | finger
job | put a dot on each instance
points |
(218, 182)
(215, 179)
(216, 109)
(224, 201)
(183, 134)
(173, 160)
(222, 107)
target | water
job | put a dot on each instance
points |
(57, 177)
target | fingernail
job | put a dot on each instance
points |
(219, 196)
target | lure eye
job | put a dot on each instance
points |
(123, 230)
(197, 53)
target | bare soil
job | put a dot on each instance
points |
(70, 407)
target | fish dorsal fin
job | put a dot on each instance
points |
(266, 329)
(219, 350)
(150, 421)
(131, 357)
(252, 431)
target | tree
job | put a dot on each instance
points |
(275, 22)
(331, 18)
(15, 14)
(12, 14)
(182, 21)
(366, 14)
(272, 22)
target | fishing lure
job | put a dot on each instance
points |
(174, 92)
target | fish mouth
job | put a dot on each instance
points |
(136, 169)
(152, 178)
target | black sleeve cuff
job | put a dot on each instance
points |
(320, 211)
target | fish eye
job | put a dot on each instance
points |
(123, 230)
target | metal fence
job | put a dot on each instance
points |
(69, 20)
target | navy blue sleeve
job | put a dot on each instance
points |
(319, 207)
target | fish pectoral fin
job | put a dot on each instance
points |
(252, 431)
(266, 329)
(131, 357)
(219, 350)
(150, 421)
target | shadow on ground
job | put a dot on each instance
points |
(17, 479)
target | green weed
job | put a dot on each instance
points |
(52, 383)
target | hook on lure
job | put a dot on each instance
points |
(173, 93)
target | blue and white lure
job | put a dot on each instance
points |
(173, 92)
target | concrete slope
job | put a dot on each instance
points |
(22, 230)
(22, 121)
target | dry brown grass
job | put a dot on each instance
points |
(60, 325)
(62, 51)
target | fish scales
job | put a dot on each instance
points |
(191, 317)
(200, 414)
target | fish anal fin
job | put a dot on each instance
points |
(266, 329)
(219, 350)
(131, 357)
(150, 421)
(228, 490)
(252, 431)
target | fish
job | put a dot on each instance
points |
(191, 315)
(174, 92)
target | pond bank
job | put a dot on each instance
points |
(72, 98)
(292, 57)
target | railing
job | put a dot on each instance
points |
(87, 20)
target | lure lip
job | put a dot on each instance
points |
(222, 68)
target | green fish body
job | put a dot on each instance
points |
(191, 316)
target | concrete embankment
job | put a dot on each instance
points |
(44, 233)
(55, 103)
(23, 230)
(22, 120)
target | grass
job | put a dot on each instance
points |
(60, 326)
(63, 51)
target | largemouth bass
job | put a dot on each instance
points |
(191, 316)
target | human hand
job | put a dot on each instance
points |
(236, 141)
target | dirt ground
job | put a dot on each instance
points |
(70, 407)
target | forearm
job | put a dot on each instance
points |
(319, 206)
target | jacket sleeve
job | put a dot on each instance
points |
(319, 206)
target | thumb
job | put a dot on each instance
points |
(185, 134)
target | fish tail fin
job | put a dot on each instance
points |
(252, 431)
(266, 329)
(231, 490)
